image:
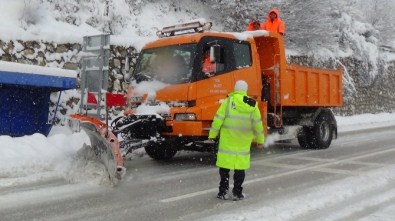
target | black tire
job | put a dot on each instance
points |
(322, 132)
(160, 151)
(303, 136)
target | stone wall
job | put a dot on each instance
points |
(378, 96)
(119, 76)
(67, 56)
(40, 53)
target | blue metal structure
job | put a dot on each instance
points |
(24, 101)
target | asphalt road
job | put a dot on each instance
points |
(185, 187)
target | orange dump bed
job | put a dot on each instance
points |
(295, 85)
(302, 86)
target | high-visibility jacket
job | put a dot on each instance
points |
(277, 25)
(238, 121)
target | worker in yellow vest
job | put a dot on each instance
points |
(238, 120)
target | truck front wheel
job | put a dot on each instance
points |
(160, 151)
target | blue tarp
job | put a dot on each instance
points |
(54, 83)
(24, 101)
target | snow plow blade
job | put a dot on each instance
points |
(104, 146)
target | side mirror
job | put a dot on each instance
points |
(215, 54)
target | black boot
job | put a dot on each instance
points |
(223, 184)
(237, 191)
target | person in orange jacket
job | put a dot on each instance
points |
(208, 67)
(253, 26)
(274, 23)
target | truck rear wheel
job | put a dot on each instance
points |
(160, 151)
(303, 137)
(322, 132)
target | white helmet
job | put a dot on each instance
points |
(241, 86)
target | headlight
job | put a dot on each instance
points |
(185, 117)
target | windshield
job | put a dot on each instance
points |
(170, 65)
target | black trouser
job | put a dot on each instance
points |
(238, 179)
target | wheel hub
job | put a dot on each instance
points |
(324, 131)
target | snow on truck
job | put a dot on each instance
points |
(180, 80)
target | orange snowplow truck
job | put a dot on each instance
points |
(289, 96)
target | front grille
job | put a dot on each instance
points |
(140, 127)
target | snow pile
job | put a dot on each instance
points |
(28, 158)
(30, 20)
(85, 168)
(147, 87)
(36, 158)
(358, 39)
(34, 69)
(365, 121)
(132, 23)
(146, 109)
(243, 36)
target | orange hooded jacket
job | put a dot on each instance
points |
(277, 25)
(251, 25)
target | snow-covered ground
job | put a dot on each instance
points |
(364, 121)
(31, 159)
(36, 157)
(315, 199)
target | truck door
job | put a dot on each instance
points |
(243, 68)
(213, 83)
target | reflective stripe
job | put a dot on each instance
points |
(256, 121)
(232, 152)
(246, 129)
(238, 117)
(227, 107)
(219, 117)
(256, 133)
(214, 129)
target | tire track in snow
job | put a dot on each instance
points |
(385, 150)
(309, 203)
(356, 206)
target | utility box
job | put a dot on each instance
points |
(25, 97)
